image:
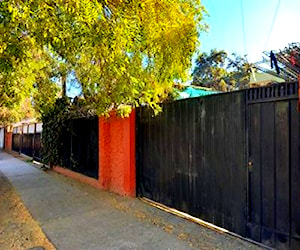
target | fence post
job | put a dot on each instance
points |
(8, 138)
(33, 141)
(21, 139)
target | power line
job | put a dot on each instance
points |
(272, 25)
(243, 27)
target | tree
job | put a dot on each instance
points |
(221, 72)
(25, 111)
(122, 52)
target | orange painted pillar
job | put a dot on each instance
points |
(117, 154)
(104, 152)
(8, 139)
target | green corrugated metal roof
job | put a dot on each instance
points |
(190, 92)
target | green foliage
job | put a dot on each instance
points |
(23, 63)
(221, 72)
(123, 53)
(26, 110)
(55, 122)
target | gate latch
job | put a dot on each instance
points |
(250, 165)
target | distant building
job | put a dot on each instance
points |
(263, 79)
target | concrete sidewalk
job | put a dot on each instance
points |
(76, 216)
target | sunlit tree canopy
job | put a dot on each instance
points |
(120, 52)
(222, 72)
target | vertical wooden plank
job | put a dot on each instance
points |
(201, 156)
(164, 160)
(255, 172)
(142, 131)
(211, 156)
(220, 187)
(156, 157)
(282, 179)
(295, 175)
(185, 161)
(96, 138)
(178, 155)
(239, 164)
(178, 186)
(229, 154)
(166, 156)
(173, 147)
(146, 154)
(267, 165)
(193, 159)
(190, 137)
(140, 159)
(196, 151)
(21, 139)
(178, 165)
(207, 137)
(150, 154)
(139, 148)
(34, 141)
(161, 155)
(154, 154)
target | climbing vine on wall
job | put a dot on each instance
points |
(55, 122)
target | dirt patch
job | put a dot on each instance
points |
(18, 230)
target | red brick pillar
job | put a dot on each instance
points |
(117, 154)
(8, 138)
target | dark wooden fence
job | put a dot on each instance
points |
(80, 147)
(16, 142)
(79, 150)
(26, 139)
(274, 165)
(192, 157)
(214, 157)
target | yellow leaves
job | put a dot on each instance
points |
(10, 8)
(3, 47)
(124, 110)
(122, 52)
(122, 69)
(56, 39)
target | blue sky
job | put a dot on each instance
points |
(226, 29)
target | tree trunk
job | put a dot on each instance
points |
(64, 85)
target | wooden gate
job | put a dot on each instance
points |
(274, 166)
